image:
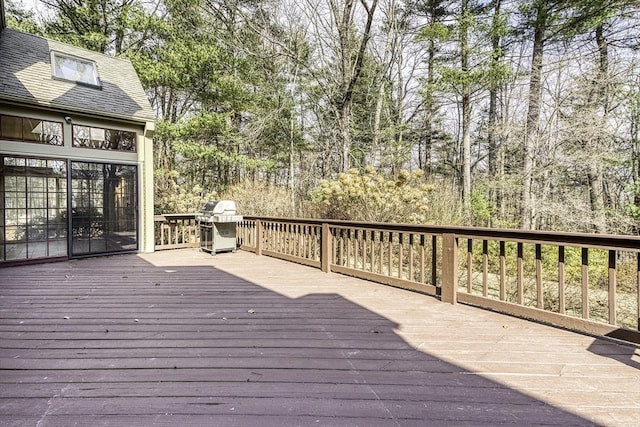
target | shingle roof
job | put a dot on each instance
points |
(26, 76)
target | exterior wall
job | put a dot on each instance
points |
(142, 157)
(146, 190)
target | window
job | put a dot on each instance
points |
(104, 139)
(30, 130)
(74, 69)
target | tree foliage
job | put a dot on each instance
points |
(528, 110)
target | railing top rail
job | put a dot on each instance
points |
(601, 241)
(164, 217)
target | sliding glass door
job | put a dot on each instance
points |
(41, 199)
(33, 208)
(104, 208)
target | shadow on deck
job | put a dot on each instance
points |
(183, 338)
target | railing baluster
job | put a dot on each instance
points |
(539, 290)
(390, 255)
(585, 283)
(503, 272)
(348, 247)
(400, 254)
(341, 247)
(381, 252)
(434, 260)
(366, 253)
(365, 247)
(638, 288)
(561, 296)
(411, 258)
(612, 287)
(304, 244)
(485, 267)
(422, 242)
(373, 251)
(469, 265)
(295, 240)
(520, 273)
(356, 248)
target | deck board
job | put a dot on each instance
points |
(184, 338)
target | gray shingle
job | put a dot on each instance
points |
(26, 76)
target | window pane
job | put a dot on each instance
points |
(11, 127)
(16, 251)
(97, 137)
(15, 183)
(37, 249)
(32, 130)
(15, 233)
(57, 168)
(37, 184)
(14, 200)
(57, 200)
(12, 215)
(58, 247)
(105, 139)
(37, 201)
(36, 233)
(81, 136)
(74, 69)
(52, 133)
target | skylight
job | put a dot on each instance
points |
(74, 69)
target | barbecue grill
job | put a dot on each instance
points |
(218, 224)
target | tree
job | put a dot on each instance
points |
(434, 32)
(350, 55)
(106, 26)
(20, 19)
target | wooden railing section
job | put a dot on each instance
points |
(584, 282)
(174, 231)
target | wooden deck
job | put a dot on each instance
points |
(182, 338)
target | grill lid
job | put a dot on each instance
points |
(219, 211)
(219, 207)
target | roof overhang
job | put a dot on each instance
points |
(65, 109)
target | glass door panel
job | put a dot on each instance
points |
(32, 226)
(104, 208)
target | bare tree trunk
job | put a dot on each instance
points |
(429, 109)
(496, 55)
(532, 132)
(375, 140)
(594, 168)
(466, 112)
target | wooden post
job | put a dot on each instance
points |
(449, 268)
(325, 258)
(258, 237)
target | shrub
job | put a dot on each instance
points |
(180, 198)
(371, 196)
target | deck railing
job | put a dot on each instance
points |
(584, 282)
(174, 231)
